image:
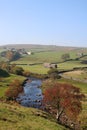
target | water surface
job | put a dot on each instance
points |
(32, 96)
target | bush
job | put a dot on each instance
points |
(53, 73)
(3, 73)
(13, 90)
(52, 70)
(55, 76)
(39, 76)
(18, 70)
(26, 73)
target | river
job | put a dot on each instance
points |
(32, 95)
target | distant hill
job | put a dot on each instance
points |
(44, 53)
(36, 46)
(42, 47)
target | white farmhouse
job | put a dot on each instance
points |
(29, 52)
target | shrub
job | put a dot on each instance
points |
(18, 70)
(3, 73)
(53, 73)
(65, 100)
(14, 89)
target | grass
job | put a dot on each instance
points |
(54, 55)
(61, 66)
(40, 69)
(83, 58)
(78, 74)
(70, 65)
(46, 56)
(50, 56)
(2, 59)
(13, 117)
(82, 86)
(45, 53)
(1, 49)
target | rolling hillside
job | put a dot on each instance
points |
(15, 117)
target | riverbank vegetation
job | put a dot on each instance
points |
(14, 89)
(65, 101)
(4, 83)
(83, 89)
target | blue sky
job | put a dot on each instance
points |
(55, 22)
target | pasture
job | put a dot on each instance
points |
(70, 65)
(39, 68)
(51, 54)
(78, 74)
(82, 86)
(15, 117)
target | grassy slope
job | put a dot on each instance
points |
(79, 74)
(71, 65)
(61, 66)
(84, 58)
(40, 69)
(54, 55)
(50, 54)
(14, 117)
(44, 54)
(19, 118)
(82, 86)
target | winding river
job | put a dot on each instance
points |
(32, 96)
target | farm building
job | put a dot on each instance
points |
(50, 65)
(30, 53)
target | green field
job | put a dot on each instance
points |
(78, 74)
(82, 86)
(41, 57)
(50, 54)
(70, 65)
(39, 68)
(83, 58)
